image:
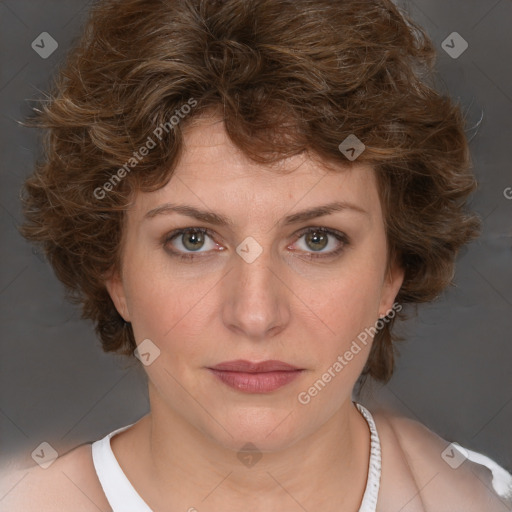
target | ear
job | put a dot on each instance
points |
(390, 288)
(115, 288)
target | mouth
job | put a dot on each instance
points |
(251, 377)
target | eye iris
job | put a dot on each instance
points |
(196, 238)
(316, 238)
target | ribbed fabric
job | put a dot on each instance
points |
(371, 493)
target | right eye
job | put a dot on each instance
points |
(190, 239)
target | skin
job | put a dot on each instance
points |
(283, 305)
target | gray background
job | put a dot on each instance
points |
(454, 374)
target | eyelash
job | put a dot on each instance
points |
(341, 237)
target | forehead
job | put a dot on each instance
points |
(213, 173)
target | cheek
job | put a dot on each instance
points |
(164, 307)
(159, 311)
(350, 312)
(348, 303)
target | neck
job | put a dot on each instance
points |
(180, 465)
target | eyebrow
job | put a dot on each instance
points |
(220, 220)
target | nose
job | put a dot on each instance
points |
(256, 301)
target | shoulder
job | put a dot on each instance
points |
(422, 472)
(69, 483)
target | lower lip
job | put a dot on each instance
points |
(256, 382)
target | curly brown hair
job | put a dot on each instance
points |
(286, 76)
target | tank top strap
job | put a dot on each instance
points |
(120, 493)
(371, 493)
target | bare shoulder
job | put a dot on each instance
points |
(69, 483)
(422, 472)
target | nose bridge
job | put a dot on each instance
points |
(255, 302)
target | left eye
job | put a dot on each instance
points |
(193, 239)
(317, 239)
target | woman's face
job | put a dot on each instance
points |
(256, 288)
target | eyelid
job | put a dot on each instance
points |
(323, 229)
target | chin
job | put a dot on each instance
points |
(268, 430)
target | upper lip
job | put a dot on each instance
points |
(241, 365)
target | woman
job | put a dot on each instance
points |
(244, 195)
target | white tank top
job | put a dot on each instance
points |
(122, 496)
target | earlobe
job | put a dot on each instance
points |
(115, 288)
(392, 285)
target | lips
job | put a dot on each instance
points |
(250, 377)
(243, 366)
